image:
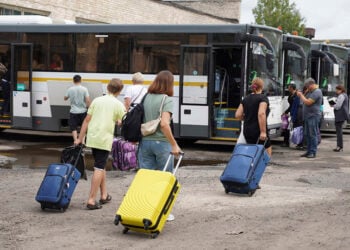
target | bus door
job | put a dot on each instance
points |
(21, 79)
(226, 92)
(193, 97)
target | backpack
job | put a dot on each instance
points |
(131, 122)
(75, 156)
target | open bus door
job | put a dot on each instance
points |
(193, 97)
(21, 79)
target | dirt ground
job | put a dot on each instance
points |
(302, 204)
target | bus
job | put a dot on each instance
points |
(295, 60)
(213, 66)
(329, 67)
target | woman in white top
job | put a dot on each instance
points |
(134, 93)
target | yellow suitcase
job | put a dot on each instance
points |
(149, 200)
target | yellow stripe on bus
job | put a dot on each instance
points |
(106, 81)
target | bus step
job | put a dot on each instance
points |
(223, 138)
(227, 132)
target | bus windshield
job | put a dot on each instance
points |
(333, 72)
(296, 65)
(265, 61)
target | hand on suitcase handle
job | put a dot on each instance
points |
(181, 154)
(176, 154)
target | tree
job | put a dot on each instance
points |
(279, 13)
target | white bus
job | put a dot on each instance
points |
(213, 66)
(329, 67)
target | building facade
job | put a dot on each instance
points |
(128, 11)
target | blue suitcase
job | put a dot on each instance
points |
(245, 169)
(57, 188)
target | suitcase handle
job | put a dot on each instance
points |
(81, 147)
(171, 155)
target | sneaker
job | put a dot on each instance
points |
(171, 217)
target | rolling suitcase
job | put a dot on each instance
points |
(123, 154)
(58, 185)
(245, 169)
(149, 200)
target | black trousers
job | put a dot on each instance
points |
(339, 131)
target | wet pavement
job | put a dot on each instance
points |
(33, 149)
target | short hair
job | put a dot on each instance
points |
(293, 86)
(163, 84)
(137, 77)
(341, 88)
(115, 85)
(77, 78)
(309, 81)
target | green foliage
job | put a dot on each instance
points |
(277, 13)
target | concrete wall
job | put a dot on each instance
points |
(134, 11)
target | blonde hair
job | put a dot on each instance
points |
(137, 77)
(257, 84)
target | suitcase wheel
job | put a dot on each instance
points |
(42, 207)
(226, 191)
(125, 230)
(117, 220)
(154, 235)
(146, 224)
(250, 193)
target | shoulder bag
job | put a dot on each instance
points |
(150, 127)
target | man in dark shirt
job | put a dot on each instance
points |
(312, 115)
(292, 96)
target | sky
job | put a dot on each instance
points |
(331, 19)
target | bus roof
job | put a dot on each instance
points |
(320, 46)
(128, 28)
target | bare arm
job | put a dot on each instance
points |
(239, 112)
(165, 128)
(127, 102)
(262, 120)
(306, 101)
(87, 101)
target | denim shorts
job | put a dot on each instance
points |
(154, 155)
(100, 157)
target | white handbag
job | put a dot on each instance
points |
(150, 127)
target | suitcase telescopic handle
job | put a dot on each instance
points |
(81, 147)
(171, 155)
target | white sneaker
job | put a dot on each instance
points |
(171, 217)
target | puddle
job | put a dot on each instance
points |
(40, 156)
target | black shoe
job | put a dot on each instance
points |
(304, 155)
(285, 145)
(311, 156)
(338, 149)
(299, 147)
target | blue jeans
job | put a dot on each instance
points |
(154, 155)
(311, 131)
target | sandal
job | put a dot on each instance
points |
(93, 206)
(108, 199)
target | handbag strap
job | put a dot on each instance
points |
(161, 106)
(137, 95)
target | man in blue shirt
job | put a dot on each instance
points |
(312, 101)
(80, 101)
